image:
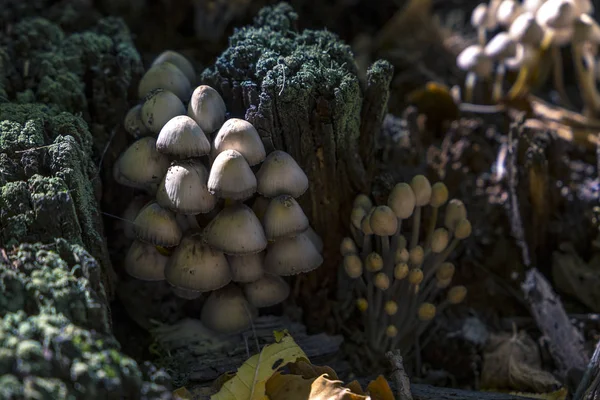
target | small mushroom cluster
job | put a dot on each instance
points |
(193, 225)
(396, 279)
(528, 39)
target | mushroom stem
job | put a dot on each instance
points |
(414, 240)
(481, 35)
(497, 85)
(431, 227)
(521, 85)
(470, 82)
(558, 76)
(586, 79)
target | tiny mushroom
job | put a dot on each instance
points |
(158, 109)
(196, 266)
(157, 225)
(284, 217)
(134, 125)
(292, 255)
(141, 166)
(184, 189)
(226, 310)
(165, 76)
(181, 137)
(236, 231)
(231, 177)
(267, 291)
(178, 60)
(281, 174)
(240, 135)
(477, 64)
(207, 108)
(143, 261)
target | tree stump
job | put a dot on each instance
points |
(302, 92)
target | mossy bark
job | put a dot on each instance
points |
(302, 92)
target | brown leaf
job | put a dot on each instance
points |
(355, 387)
(295, 387)
(325, 389)
(308, 370)
(379, 389)
(513, 362)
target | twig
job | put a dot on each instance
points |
(399, 375)
(589, 387)
(566, 341)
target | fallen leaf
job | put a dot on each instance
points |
(250, 379)
(308, 370)
(379, 389)
(513, 362)
(355, 387)
(295, 387)
(182, 394)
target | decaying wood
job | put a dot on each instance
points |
(589, 387)
(566, 343)
(426, 392)
(399, 376)
(200, 356)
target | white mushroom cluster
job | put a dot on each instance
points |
(528, 37)
(396, 278)
(218, 214)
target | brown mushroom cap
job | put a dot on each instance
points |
(184, 189)
(238, 134)
(231, 177)
(227, 311)
(159, 107)
(291, 256)
(143, 261)
(179, 61)
(267, 291)
(157, 225)
(280, 174)
(207, 108)
(141, 166)
(165, 76)
(236, 231)
(195, 266)
(284, 217)
(182, 137)
(246, 268)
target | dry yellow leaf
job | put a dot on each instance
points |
(296, 387)
(250, 379)
(379, 389)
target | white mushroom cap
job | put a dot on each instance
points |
(207, 108)
(526, 55)
(584, 7)
(532, 5)
(281, 174)
(508, 11)
(526, 30)
(195, 266)
(165, 76)
(143, 261)
(556, 14)
(501, 46)
(159, 108)
(284, 217)
(231, 177)
(474, 59)
(238, 134)
(291, 256)
(157, 225)
(140, 166)
(267, 291)
(246, 268)
(179, 61)
(314, 238)
(133, 122)
(182, 137)
(184, 189)
(132, 210)
(227, 311)
(236, 231)
(479, 16)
